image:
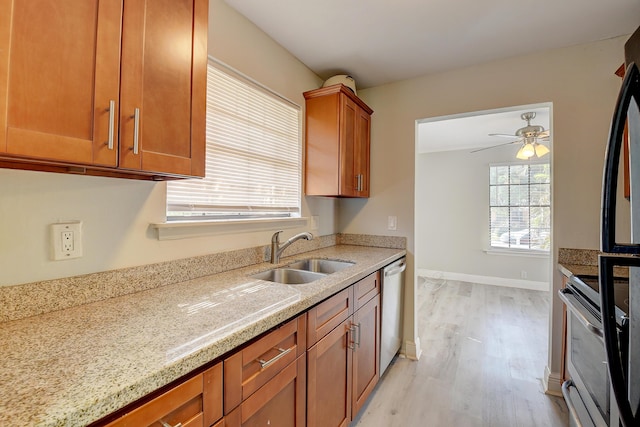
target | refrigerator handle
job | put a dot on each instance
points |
(612, 346)
(630, 89)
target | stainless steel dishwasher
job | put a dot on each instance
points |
(392, 307)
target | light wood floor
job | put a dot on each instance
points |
(484, 349)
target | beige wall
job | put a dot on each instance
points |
(580, 83)
(116, 213)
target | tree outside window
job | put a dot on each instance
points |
(520, 206)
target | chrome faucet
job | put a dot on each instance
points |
(276, 249)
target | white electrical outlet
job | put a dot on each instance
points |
(66, 240)
(392, 222)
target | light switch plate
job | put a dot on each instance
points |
(392, 222)
(66, 240)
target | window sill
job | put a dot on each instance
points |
(188, 229)
(517, 252)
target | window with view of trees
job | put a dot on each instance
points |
(520, 206)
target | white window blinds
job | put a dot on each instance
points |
(520, 206)
(253, 155)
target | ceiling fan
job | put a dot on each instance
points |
(529, 136)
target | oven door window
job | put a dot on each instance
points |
(588, 358)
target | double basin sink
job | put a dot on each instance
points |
(304, 271)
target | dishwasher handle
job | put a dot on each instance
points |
(395, 270)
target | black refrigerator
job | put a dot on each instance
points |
(623, 349)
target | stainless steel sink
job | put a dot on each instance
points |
(326, 266)
(288, 276)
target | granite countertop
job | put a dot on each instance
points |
(584, 262)
(74, 366)
(578, 270)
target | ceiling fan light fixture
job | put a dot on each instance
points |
(528, 150)
(541, 150)
(520, 155)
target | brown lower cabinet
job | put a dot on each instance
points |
(280, 402)
(366, 354)
(196, 402)
(343, 366)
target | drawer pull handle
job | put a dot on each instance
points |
(112, 120)
(280, 355)
(165, 424)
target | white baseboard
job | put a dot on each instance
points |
(552, 382)
(485, 280)
(412, 350)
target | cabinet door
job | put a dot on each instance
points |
(163, 89)
(361, 152)
(59, 75)
(212, 395)
(329, 379)
(366, 357)
(280, 402)
(348, 132)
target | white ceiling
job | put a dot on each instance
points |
(381, 41)
(471, 131)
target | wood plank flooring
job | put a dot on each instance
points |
(484, 349)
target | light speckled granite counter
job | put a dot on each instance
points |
(77, 365)
(583, 262)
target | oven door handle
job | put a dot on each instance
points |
(572, 303)
(573, 412)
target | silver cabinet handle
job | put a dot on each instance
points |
(352, 341)
(567, 297)
(112, 122)
(359, 332)
(280, 355)
(165, 424)
(136, 130)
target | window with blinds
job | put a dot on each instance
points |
(253, 162)
(520, 206)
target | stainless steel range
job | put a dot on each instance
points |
(588, 393)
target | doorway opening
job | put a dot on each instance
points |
(482, 214)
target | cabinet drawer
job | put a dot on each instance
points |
(324, 317)
(366, 289)
(252, 367)
(195, 402)
(280, 402)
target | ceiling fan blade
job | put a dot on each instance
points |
(503, 135)
(544, 134)
(494, 146)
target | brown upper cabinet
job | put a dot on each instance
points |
(338, 130)
(116, 88)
